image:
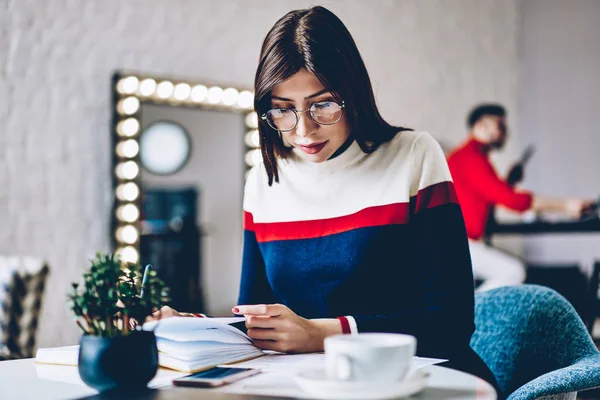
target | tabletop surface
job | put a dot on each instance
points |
(23, 379)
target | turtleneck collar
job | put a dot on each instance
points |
(347, 158)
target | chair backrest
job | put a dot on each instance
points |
(22, 284)
(7, 282)
(525, 331)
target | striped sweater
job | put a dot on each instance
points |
(379, 237)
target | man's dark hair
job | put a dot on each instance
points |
(483, 110)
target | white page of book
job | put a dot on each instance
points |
(191, 350)
(204, 335)
(182, 328)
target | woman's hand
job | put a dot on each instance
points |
(276, 327)
(167, 312)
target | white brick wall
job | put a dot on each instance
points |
(429, 60)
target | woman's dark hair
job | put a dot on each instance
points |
(483, 110)
(317, 40)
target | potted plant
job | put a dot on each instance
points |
(114, 352)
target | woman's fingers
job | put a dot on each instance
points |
(272, 310)
(260, 321)
(274, 345)
(164, 312)
(266, 344)
(263, 334)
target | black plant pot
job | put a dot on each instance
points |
(119, 363)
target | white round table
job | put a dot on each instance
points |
(23, 379)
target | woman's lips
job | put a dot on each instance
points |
(313, 148)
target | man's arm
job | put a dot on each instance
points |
(482, 179)
(571, 207)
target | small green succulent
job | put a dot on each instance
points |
(108, 303)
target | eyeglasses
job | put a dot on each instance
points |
(286, 119)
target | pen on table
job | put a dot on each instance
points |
(145, 280)
(142, 287)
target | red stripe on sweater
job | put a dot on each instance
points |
(433, 196)
(248, 221)
(390, 214)
(345, 325)
(373, 216)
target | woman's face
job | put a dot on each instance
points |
(316, 142)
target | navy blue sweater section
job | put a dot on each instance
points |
(413, 278)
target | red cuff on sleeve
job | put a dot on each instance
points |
(345, 325)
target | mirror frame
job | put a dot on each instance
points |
(130, 90)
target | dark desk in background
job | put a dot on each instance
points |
(541, 227)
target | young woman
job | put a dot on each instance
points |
(350, 224)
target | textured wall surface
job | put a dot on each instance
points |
(560, 103)
(429, 61)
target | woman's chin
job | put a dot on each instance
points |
(316, 158)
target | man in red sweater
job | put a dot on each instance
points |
(479, 188)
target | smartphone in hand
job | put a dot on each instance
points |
(214, 377)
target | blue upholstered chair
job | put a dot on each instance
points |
(535, 343)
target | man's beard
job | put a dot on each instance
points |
(498, 144)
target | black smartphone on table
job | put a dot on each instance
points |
(214, 377)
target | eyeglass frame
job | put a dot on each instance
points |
(296, 112)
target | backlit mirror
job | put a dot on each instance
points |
(181, 152)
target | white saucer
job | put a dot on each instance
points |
(316, 383)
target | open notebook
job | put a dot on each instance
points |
(184, 344)
(196, 344)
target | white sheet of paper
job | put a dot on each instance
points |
(313, 360)
(420, 362)
(68, 374)
(279, 371)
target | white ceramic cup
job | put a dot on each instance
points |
(381, 357)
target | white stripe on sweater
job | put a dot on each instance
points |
(349, 183)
